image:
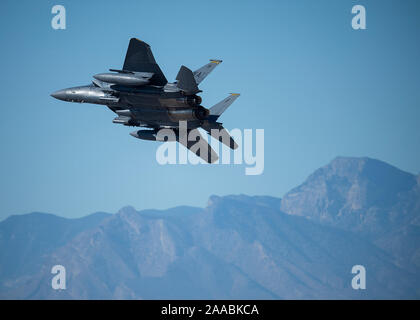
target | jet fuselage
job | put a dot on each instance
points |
(141, 106)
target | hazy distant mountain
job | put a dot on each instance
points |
(352, 211)
(27, 240)
(366, 196)
(358, 194)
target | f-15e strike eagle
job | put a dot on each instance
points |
(141, 96)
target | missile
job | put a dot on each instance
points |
(148, 135)
(131, 79)
(124, 113)
(127, 121)
(121, 120)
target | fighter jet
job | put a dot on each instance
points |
(141, 96)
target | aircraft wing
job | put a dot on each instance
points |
(199, 147)
(139, 58)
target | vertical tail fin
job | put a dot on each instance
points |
(186, 81)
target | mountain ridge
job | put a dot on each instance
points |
(237, 247)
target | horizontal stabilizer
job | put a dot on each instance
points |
(186, 81)
(221, 107)
(200, 147)
(204, 71)
(217, 131)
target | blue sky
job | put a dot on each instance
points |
(317, 87)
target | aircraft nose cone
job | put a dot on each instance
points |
(60, 94)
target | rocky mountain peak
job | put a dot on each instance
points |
(127, 210)
(350, 191)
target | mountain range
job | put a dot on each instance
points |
(353, 211)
